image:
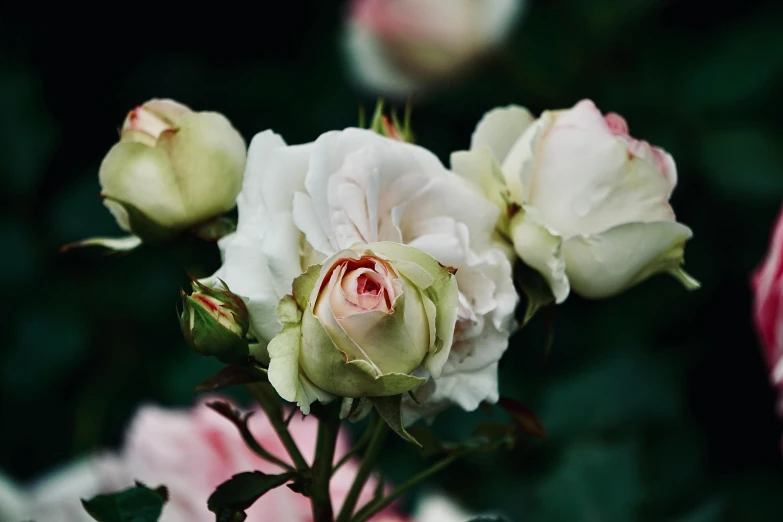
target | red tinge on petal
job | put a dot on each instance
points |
(617, 124)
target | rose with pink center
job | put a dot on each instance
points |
(360, 325)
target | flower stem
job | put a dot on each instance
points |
(359, 446)
(328, 427)
(379, 430)
(376, 505)
(267, 399)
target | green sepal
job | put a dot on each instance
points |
(143, 226)
(303, 285)
(390, 412)
(214, 229)
(536, 290)
(206, 335)
(210, 338)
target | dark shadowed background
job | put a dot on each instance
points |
(656, 403)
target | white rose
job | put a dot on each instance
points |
(396, 46)
(587, 205)
(301, 204)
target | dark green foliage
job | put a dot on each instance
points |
(237, 494)
(136, 504)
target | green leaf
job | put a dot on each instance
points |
(136, 504)
(389, 410)
(237, 494)
(302, 484)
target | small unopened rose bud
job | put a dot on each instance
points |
(215, 322)
(391, 126)
(172, 169)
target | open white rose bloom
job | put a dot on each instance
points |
(584, 203)
(302, 204)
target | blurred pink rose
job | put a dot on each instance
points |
(193, 451)
(767, 283)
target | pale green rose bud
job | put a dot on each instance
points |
(215, 323)
(172, 169)
(362, 323)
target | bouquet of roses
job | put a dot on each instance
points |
(363, 279)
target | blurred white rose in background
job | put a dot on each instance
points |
(398, 46)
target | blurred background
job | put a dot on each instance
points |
(656, 403)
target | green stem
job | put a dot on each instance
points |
(379, 431)
(377, 505)
(328, 427)
(365, 438)
(259, 450)
(266, 397)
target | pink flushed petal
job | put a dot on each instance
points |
(364, 288)
(616, 123)
(409, 21)
(142, 120)
(379, 15)
(767, 285)
(641, 148)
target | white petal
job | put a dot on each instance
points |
(281, 246)
(261, 147)
(451, 196)
(517, 166)
(357, 182)
(308, 221)
(246, 272)
(541, 249)
(582, 179)
(500, 128)
(480, 167)
(605, 264)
